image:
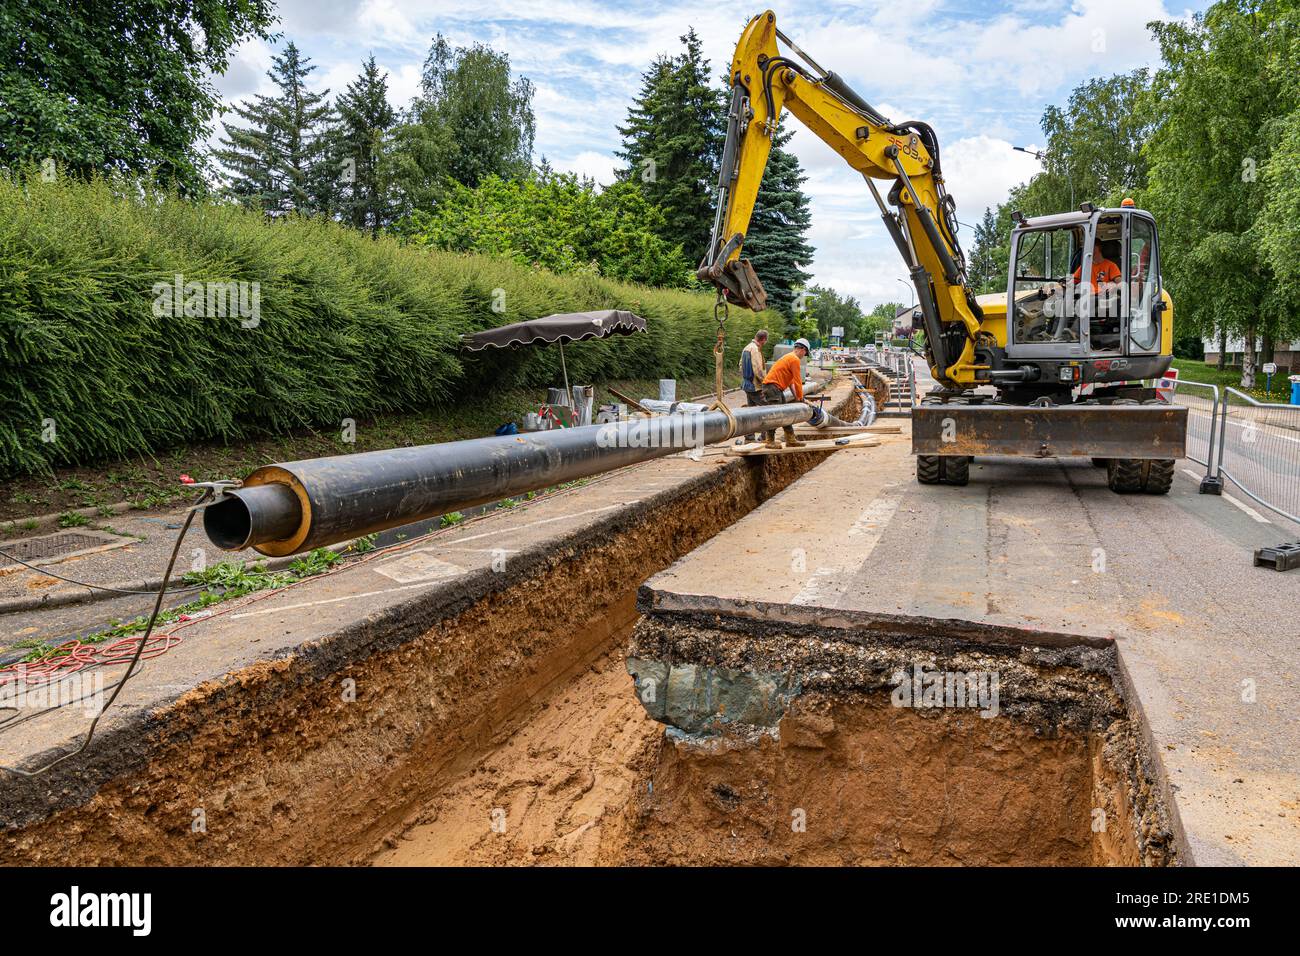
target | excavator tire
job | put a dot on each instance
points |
(956, 469)
(1126, 475)
(928, 469)
(1160, 477)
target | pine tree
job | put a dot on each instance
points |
(672, 144)
(777, 243)
(365, 117)
(984, 274)
(281, 162)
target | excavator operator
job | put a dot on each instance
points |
(1104, 272)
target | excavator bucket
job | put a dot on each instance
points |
(738, 282)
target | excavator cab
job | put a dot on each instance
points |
(1085, 298)
(1087, 319)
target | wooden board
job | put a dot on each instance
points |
(877, 429)
(759, 448)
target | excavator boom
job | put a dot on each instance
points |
(905, 156)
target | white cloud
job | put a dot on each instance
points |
(597, 166)
(246, 73)
(979, 171)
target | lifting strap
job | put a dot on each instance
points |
(719, 347)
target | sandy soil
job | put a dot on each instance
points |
(551, 791)
(853, 781)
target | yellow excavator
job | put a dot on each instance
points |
(1053, 368)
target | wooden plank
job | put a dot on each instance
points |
(759, 448)
(877, 429)
(629, 402)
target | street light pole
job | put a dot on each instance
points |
(911, 288)
(911, 309)
(1043, 156)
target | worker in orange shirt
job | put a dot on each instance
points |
(786, 372)
(1104, 272)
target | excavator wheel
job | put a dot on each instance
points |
(928, 469)
(1160, 476)
(956, 469)
(1126, 475)
(1131, 475)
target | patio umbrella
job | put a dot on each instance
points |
(556, 329)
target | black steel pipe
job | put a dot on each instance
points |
(294, 507)
(254, 513)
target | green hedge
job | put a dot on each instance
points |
(348, 326)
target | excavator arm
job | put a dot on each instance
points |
(906, 156)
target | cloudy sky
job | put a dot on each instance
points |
(979, 72)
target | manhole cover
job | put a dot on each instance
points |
(51, 548)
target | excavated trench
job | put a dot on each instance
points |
(511, 732)
(800, 744)
(790, 747)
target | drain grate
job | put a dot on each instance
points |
(49, 548)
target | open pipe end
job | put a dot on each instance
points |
(252, 516)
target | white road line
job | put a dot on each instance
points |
(1259, 427)
(1240, 504)
(516, 528)
(346, 597)
(827, 583)
(1247, 508)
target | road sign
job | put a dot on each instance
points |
(1270, 368)
(838, 331)
(1166, 386)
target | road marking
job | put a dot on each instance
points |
(828, 583)
(516, 528)
(1240, 504)
(1247, 508)
(812, 591)
(346, 597)
(1261, 427)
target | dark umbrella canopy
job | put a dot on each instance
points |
(563, 328)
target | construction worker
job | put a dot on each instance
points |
(752, 368)
(786, 372)
(1104, 272)
(752, 371)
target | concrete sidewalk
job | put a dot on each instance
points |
(1206, 641)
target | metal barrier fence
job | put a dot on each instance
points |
(901, 365)
(1202, 421)
(1259, 451)
(900, 362)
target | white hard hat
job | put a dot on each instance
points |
(804, 343)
